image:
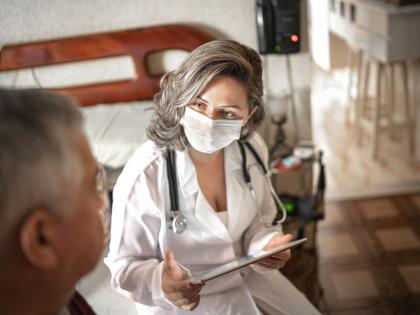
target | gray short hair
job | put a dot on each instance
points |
(38, 164)
(179, 87)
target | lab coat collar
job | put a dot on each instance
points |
(188, 182)
(233, 158)
(238, 194)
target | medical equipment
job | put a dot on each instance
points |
(304, 151)
(308, 206)
(178, 222)
(247, 177)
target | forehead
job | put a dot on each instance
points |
(86, 157)
(225, 89)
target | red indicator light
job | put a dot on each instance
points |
(294, 38)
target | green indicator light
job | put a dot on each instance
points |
(277, 48)
(289, 207)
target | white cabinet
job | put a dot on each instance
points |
(385, 31)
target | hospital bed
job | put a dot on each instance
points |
(116, 108)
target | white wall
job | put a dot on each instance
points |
(319, 38)
(29, 20)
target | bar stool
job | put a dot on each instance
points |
(380, 115)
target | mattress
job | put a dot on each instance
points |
(116, 131)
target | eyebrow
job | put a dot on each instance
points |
(232, 106)
(224, 106)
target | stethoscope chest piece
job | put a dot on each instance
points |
(177, 223)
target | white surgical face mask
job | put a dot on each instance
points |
(207, 135)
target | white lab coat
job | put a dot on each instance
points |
(139, 236)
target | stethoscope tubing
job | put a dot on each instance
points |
(173, 187)
(267, 178)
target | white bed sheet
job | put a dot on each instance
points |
(115, 131)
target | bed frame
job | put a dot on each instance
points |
(137, 43)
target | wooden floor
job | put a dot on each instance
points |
(351, 171)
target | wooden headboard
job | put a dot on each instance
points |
(137, 43)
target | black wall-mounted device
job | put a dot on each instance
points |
(278, 26)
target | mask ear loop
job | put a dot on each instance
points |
(249, 116)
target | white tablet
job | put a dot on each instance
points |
(241, 262)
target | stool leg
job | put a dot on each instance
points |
(349, 86)
(359, 75)
(407, 110)
(358, 102)
(350, 106)
(360, 109)
(366, 87)
(376, 109)
(353, 102)
(391, 103)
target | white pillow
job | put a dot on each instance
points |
(116, 130)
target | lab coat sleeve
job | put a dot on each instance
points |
(134, 258)
(257, 235)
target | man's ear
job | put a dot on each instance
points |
(37, 238)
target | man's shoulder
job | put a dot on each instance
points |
(77, 306)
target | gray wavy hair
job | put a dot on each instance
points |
(38, 163)
(179, 87)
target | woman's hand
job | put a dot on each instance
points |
(176, 285)
(278, 260)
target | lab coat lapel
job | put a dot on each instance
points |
(241, 205)
(187, 178)
(209, 219)
(190, 189)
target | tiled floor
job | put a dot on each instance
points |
(368, 261)
(369, 256)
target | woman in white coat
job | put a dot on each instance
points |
(204, 107)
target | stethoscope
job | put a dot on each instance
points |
(177, 222)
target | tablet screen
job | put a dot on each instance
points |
(242, 262)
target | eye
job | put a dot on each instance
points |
(229, 115)
(199, 106)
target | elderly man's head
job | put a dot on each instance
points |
(51, 229)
